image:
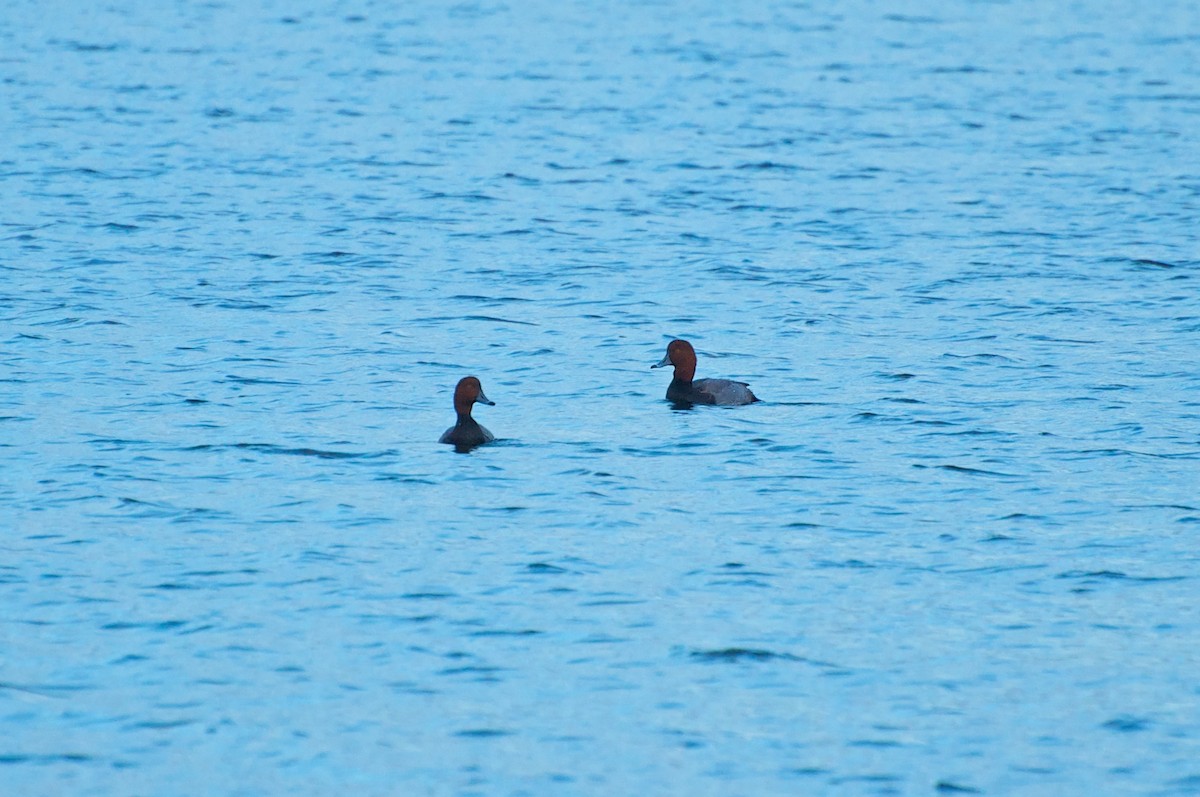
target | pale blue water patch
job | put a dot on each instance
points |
(249, 250)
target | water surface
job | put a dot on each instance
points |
(248, 251)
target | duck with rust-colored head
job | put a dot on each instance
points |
(466, 433)
(685, 388)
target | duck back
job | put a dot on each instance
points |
(711, 391)
(467, 432)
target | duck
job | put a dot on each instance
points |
(685, 389)
(466, 433)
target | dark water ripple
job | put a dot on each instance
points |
(247, 252)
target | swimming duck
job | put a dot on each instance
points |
(700, 391)
(466, 433)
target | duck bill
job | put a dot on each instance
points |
(663, 363)
(482, 399)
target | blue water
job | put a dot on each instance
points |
(248, 250)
